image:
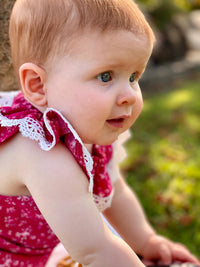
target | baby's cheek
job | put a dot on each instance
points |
(138, 106)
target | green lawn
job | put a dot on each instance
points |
(163, 164)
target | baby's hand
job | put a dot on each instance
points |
(162, 251)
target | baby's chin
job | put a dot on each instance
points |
(108, 141)
(102, 141)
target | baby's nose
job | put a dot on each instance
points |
(127, 96)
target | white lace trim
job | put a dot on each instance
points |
(30, 128)
(119, 154)
(86, 155)
(6, 98)
(103, 202)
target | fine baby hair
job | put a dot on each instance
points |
(43, 29)
(78, 64)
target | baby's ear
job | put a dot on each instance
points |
(32, 79)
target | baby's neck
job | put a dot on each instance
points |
(89, 147)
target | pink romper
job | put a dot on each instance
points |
(26, 239)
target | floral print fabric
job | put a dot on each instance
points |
(26, 240)
(25, 237)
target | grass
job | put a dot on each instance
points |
(163, 163)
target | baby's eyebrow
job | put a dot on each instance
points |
(99, 68)
(108, 66)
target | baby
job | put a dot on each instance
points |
(78, 63)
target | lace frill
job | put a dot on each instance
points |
(32, 128)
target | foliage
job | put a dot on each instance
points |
(163, 11)
(163, 163)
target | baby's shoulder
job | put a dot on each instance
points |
(22, 159)
(33, 155)
(12, 164)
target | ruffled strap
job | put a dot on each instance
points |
(47, 129)
(60, 128)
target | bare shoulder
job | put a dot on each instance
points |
(57, 165)
(60, 190)
(24, 164)
(12, 162)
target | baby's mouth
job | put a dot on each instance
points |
(116, 120)
(116, 123)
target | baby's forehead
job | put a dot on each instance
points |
(107, 40)
(110, 49)
(89, 34)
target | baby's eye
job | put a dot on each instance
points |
(132, 77)
(105, 77)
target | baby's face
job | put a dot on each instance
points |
(96, 85)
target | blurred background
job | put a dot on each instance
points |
(163, 163)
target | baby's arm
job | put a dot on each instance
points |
(128, 218)
(60, 189)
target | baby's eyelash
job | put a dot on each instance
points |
(105, 76)
(136, 75)
(133, 77)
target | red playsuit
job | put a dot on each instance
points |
(25, 237)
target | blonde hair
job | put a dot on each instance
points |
(40, 29)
